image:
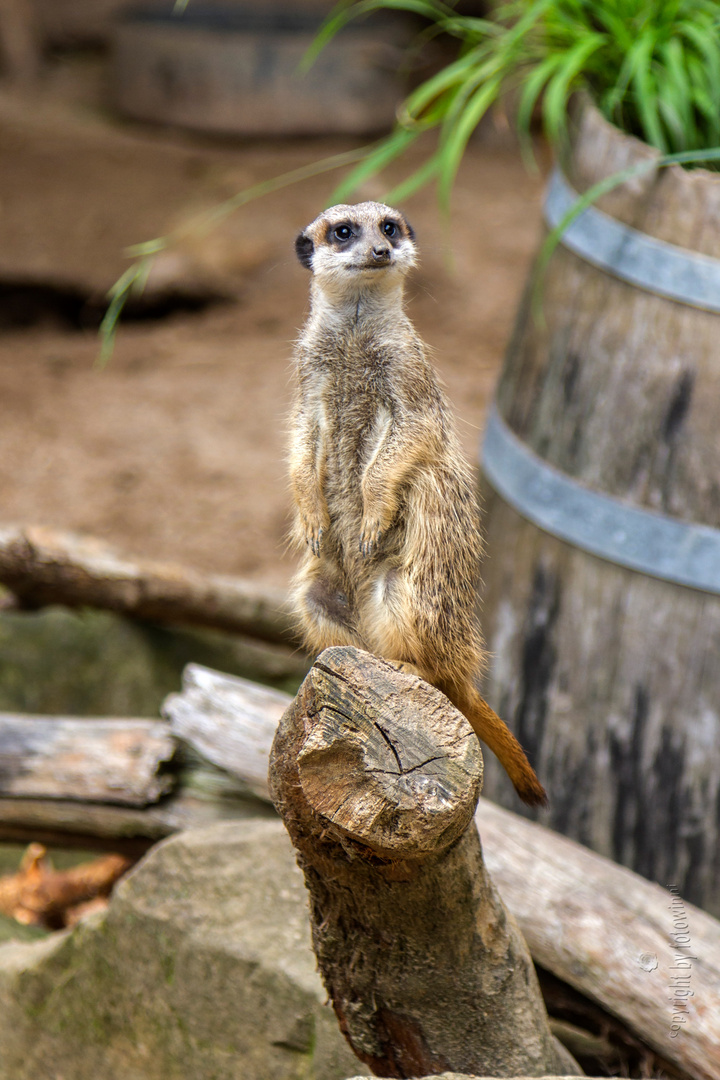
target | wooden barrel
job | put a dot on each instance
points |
(601, 468)
(235, 69)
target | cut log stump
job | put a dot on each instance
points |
(376, 776)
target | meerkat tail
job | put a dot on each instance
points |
(495, 733)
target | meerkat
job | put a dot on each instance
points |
(386, 512)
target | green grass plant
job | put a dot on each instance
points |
(651, 66)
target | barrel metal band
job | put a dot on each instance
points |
(662, 547)
(654, 265)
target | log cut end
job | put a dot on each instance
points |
(382, 757)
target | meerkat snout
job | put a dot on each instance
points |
(348, 242)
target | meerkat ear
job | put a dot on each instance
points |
(304, 248)
(410, 230)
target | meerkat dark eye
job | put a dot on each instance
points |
(342, 232)
(390, 229)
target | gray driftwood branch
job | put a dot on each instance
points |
(376, 776)
(110, 760)
(42, 566)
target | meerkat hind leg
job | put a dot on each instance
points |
(326, 616)
(386, 623)
(388, 615)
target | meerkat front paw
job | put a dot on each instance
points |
(370, 537)
(314, 532)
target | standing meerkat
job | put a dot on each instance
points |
(386, 508)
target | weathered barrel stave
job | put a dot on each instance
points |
(618, 388)
(610, 679)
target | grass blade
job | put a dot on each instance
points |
(454, 148)
(563, 82)
(531, 91)
(414, 182)
(390, 149)
(348, 11)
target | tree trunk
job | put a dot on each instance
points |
(376, 776)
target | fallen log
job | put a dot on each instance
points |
(636, 948)
(93, 782)
(202, 796)
(376, 776)
(96, 760)
(229, 722)
(42, 566)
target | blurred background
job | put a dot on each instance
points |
(122, 122)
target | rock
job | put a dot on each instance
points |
(200, 968)
(94, 663)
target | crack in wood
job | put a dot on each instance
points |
(390, 743)
(439, 757)
(334, 674)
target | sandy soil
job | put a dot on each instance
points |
(176, 450)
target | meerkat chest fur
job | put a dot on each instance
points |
(361, 381)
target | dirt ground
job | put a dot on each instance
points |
(176, 449)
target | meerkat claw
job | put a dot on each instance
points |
(313, 539)
(369, 539)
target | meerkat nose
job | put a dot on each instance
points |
(381, 252)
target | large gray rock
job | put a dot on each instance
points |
(201, 968)
(95, 663)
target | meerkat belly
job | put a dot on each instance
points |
(353, 439)
(439, 555)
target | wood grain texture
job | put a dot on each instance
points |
(44, 566)
(65, 781)
(98, 760)
(376, 776)
(639, 950)
(620, 387)
(610, 678)
(230, 722)
(131, 830)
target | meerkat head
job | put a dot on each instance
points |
(357, 248)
